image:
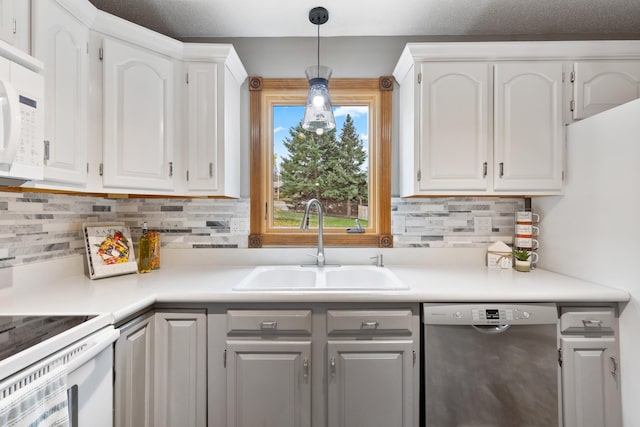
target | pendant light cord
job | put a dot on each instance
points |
(318, 69)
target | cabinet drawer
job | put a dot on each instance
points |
(369, 321)
(268, 321)
(587, 319)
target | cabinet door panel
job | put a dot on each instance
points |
(590, 382)
(181, 366)
(601, 85)
(61, 43)
(133, 388)
(138, 118)
(6, 20)
(202, 113)
(370, 383)
(528, 131)
(14, 23)
(454, 120)
(268, 384)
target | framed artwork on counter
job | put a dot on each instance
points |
(109, 249)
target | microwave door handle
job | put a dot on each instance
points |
(11, 123)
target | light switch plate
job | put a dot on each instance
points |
(482, 224)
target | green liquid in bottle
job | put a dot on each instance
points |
(144, 251)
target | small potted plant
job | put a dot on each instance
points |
(522, 261)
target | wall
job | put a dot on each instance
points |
(592, 232)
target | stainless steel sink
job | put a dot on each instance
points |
(314, 278)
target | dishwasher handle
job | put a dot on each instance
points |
(491, 329)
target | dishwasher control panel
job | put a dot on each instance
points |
(490, 314)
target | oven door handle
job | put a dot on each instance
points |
(97, 342)
(491, 329)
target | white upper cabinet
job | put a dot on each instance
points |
(138, 117)
(60, 41)
(528, 128)
(213, 119)
(476, 134)
(488, 117)
(454, 126)
(600, 85)
(14, 23)
(202, 123)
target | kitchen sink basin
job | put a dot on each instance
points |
(313, 278)
(278, 278)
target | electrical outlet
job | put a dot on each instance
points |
(482, 224)
(238, 225)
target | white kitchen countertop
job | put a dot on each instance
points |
(203, 276)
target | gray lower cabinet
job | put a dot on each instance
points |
(180, 368)
(268, 383)
(133, 361)
(590, 367)
(314, 366)
(370, 383)
(160, 370)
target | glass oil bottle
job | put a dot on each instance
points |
(144, 250)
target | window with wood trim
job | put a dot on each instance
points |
(283, 175)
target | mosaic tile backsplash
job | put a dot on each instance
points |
(445, 222)
(43, 226)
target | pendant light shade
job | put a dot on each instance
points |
(318, 113)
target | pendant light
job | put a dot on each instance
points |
(318, 114)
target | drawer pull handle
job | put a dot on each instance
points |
(269, 324)
(592, 323)
(614, 365)
(369, 324)
(305, 368)
(332, 366)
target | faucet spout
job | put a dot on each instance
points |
(304, 226)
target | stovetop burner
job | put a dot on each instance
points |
(17, 333)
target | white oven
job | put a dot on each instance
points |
(88, 363)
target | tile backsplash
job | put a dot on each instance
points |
(446, 222)
(42, 226)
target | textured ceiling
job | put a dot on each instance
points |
(185, 19)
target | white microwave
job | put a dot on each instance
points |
(21, 117)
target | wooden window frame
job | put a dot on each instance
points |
(378, 233)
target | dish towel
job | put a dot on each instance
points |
(41, 403)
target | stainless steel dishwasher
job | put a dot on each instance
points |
(490, 365)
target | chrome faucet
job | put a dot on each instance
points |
(304, 226)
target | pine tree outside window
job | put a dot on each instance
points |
(347, 169)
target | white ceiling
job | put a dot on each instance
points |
(289, 18)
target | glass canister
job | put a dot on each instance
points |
(154, 237)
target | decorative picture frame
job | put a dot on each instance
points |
(109, 249)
